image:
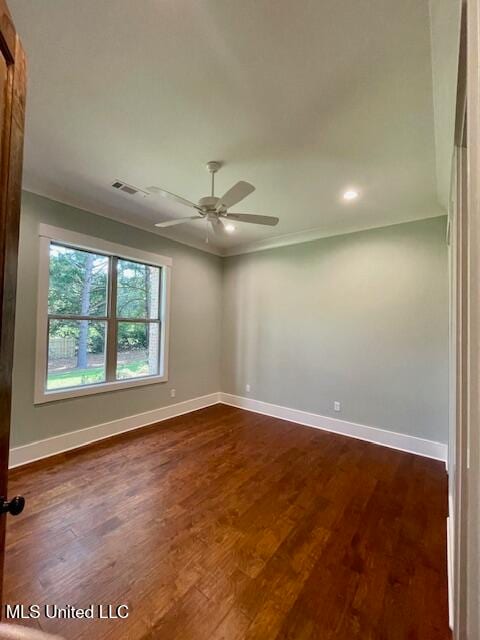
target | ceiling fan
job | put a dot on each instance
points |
(214, 209)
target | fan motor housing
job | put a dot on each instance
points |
(209, 203)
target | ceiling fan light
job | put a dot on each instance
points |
(229, 227)
(350, 194)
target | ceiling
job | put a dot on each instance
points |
(302, 99)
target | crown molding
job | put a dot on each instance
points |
(200, 245)
(310, 235)
(298, 237)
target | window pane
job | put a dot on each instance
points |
(78, 282)
(76, 353)
(137, 349)
(138, 287)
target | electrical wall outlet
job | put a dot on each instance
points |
(173, 393)
(247, 388)
(336, 406)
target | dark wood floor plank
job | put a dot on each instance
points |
(227, 525)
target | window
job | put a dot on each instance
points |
(102, 316)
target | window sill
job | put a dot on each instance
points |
(42, 397)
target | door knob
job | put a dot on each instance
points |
(13, 506)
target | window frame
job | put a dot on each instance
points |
(49, 234)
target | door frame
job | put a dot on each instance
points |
(472, 285)
(10, 194)
(464, 467)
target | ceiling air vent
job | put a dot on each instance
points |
(128, 188)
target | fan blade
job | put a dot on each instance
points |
(172, 196)
(218, 227)
(271, 221)
(172, 223)
(238, 192)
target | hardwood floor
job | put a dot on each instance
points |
(227, 525)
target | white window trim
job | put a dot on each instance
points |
(48, 234)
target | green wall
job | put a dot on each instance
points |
(360, 318)
(195, 327)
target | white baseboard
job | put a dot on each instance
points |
(400, 441)
(74, 439)
(450, 571)
(451, 560)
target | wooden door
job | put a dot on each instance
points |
(12, 116)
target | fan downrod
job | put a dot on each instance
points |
(212, 167)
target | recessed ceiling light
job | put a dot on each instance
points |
(350, 194)
(229, 228)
